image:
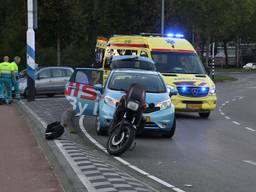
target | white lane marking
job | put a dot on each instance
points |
(250, 162)
(252, 87)
(223, 104)
(75, 168)
(240, 97)
(161, 181)
(233, 99)
(45, 99)
(250, 129)
(220, 110)
(177, 189)
(222, 113)
(81, 124)
(227, 102)
(227, 117)
(235, 122)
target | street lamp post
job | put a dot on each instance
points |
(213, 63)
(162, 18)
(31, 54)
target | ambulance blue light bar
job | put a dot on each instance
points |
(177, 35)
(174, 35)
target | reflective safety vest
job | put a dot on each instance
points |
(6, 68)
(15, 67)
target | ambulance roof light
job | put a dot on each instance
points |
(173, 35)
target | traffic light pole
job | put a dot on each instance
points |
(31, 66)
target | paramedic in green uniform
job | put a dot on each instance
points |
(15, 74)
(6, 77)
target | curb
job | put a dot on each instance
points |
(63, 171)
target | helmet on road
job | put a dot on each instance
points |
(54, 131)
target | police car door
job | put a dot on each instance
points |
(83, 91)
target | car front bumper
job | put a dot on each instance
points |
(159, 120)
(194, 104)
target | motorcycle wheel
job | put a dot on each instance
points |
(118, 143)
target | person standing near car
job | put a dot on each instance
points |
(6, 77)
(15, 74)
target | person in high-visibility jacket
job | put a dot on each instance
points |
(6, 76)
(15, 77)
(1, 87)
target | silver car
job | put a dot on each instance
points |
(49, 81)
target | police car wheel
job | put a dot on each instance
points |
(204, 115)
(170, 133)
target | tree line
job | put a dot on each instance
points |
(67, 29)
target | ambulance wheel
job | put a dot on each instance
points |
(204, 115)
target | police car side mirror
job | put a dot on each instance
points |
(172, 91)
(99, 87)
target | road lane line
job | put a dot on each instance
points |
(223, 104)
(250, 162)
(135, 168)
(250, 129)
(227, 117)
(222, 113)
(227, 102)
(233, 99)
(81, 124)
(235, 122)
(161, 181)
(177, 190)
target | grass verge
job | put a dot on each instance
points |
(221, 78)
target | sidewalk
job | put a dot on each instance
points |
(23, 167)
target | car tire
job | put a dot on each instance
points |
(26, 93)
(99, 129)
(204, 115)
(50, 94)
(170, 133)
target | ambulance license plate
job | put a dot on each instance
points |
(194, 106)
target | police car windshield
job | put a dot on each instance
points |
(121, 81)
(173, 62)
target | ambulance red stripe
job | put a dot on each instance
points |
(129, 45)
(174, 50)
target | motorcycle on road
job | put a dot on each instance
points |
(127, 121)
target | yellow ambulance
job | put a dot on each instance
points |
(175, 58)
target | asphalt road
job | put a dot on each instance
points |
(213, 155)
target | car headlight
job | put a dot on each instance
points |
(110, 101)
(164, 104)
(212, 91)
(132, 105)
